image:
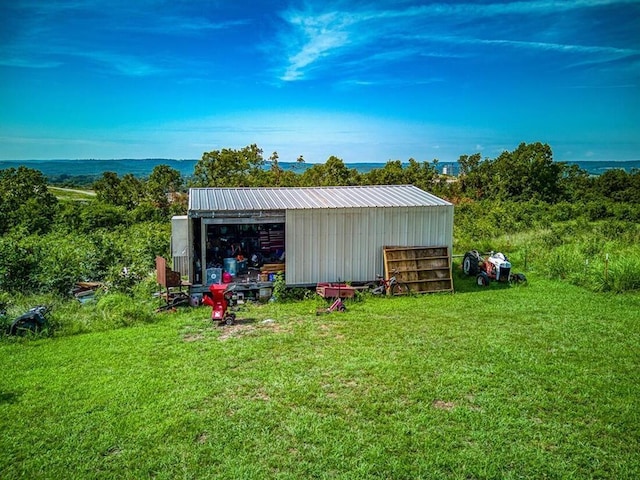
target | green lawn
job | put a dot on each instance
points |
(537, 381)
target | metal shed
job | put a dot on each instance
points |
(322, 234)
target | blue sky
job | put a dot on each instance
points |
(366, 81)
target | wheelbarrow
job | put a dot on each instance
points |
(335, 291)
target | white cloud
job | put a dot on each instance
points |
(128, 65)
(312, 36)
(25, 62)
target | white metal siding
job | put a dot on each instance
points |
(179, 236)
(327, 245)
(180, 244)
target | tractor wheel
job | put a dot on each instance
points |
(518, 278)
(482, 280)
(470, 263)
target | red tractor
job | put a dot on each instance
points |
(496, 267)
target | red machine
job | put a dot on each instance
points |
(220, 300)
(496, 267)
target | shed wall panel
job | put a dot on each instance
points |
(327, 245)
(179, 236)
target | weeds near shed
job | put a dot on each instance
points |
(282, 293)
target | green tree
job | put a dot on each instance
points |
(423, 175)
(162, 185)
(469, 163)
(391, 174)
(474, 175)
(107, 188)
(128, 191)
(20, 256)
(25, 201)
(98, 215)
(333, 172)
(275, 170)
(230, 168)
(528, 172)
(132, 191)
(618, 185)
(576, 183)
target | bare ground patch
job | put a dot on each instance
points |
(249, 326)
(193, 337)
(442, 405)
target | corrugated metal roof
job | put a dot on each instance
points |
(238, 199)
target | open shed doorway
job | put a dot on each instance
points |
(242, 249)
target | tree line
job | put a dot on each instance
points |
(526, 173)
(47, 244)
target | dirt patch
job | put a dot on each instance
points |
(442, 405)
(235, 331)
(241, 327)
(193, 337)
(262, 395)
(112, 451)
(327, 331)
(246, 327)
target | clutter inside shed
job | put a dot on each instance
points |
(243, 252)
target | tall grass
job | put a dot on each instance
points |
(601, 256)
(619, 275)
(107, 311)
(614, 267)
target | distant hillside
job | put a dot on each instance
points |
(68, 169)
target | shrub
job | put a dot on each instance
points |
(99, 215)
(596, 210)
(20, 256)
(282, 293)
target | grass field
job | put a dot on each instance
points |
(72, 194)
(535, 381)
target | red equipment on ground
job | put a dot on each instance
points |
(220, 300)
(496, 267)
(336, 291)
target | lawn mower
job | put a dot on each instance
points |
(34, 320)
(496, 267)
(222, 297)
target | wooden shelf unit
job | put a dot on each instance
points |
(422, 269)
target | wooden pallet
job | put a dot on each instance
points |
(422, 269)
(273, 267)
